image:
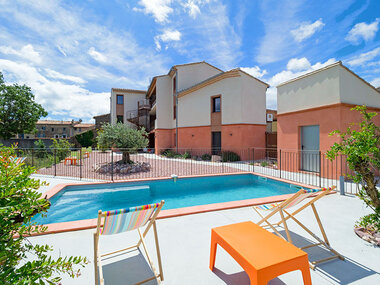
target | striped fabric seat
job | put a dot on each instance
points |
(123, 220)
(300, 198)
(18, 160)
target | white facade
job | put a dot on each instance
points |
(332, 84)
(130, 100)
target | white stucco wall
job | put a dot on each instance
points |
(354, 91)
(164, 102)
(315, 90)
(330, 86)
(130, 103)
(189, 75)
(253, 103)
(242, 102)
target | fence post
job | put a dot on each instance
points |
(253, 159)
(32, 156)
(279, 163)
(80, 163)
(341, 184)
(320, 170)
(55, 162)
(112, 165)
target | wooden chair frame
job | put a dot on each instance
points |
(286, 215)
(98, 257)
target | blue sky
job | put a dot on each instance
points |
(73, 52)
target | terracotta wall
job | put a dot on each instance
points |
(329, 118)
(163, 139)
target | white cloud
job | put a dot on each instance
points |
(277, 17)
(27, 52)
(298, 64)
(97, 55)
(286, 75)
(57, 75)
(363, 31)
(376, 82)
(306, 30)
(159, 9)
(57, 97)
(193, 8)
(364, 57)
(255, 71)
(167, 36)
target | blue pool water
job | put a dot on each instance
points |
(83, 201)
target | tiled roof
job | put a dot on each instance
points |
(84, 125)
(53, 122)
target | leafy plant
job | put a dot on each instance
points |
(19, 112)
(361, 146)
(123, 138)
(230, 156)
(40, 149)
(264, 163)
(23, 262)
(186, 155)
(61, 148)
(85, 139)
(206, 156)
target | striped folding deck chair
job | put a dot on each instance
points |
(118, 221)
(283, 209)
(18, 160)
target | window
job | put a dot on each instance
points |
(43, 128)
(52, 129)
(120, 119)
(120, 99)
(63, 136)
(64, 129)
(216, 104)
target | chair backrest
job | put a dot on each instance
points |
(18, 160)
(123, 220)
(302, 195)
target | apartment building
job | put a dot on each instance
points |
(315, 104)
(48, 129)
(197, 106)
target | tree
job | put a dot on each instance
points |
(85, 139)
(123, 138)
(23, 262)
(361, 145)
(19, 112)
(61, 148)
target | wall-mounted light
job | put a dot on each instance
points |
(192, 135)
(231, 134)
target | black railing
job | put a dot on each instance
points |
(311, 168)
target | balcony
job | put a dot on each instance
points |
(143, 104)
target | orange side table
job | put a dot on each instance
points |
(262, 255)
(73, 160)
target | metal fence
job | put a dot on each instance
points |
(312, 168)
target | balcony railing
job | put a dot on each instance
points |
(143, 104)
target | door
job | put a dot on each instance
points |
(310, 160)
(216, 142)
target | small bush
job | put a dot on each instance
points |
(264, 163)
(230, 156)
(186, 155)
(370, 222)
(86, 139)
(206, 156)
(169, 153)
(40, 149)
(61, 148)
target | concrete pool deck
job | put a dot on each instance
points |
(185, 249)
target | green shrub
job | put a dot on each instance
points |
(264, 163)
(169, 153)
(61, 148)
(230, 156)
(40, 150)
(206, 156)
(85, 139)
(186, 155)
(22, 261)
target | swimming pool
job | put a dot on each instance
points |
(81, 202)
